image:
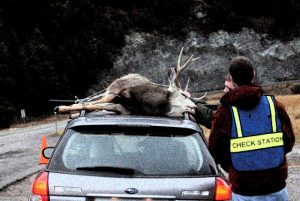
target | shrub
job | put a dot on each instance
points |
(295, 89)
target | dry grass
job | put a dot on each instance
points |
(292, 106)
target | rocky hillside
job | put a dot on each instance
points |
(58, 49)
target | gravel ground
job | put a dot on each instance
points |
(19, 191)
(293, 181)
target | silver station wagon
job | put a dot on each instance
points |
(130, 158)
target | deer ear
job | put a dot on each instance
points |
(125, 93)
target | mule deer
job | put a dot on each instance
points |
(135, 94)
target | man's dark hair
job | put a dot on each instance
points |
(241, 70)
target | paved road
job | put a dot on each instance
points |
(19, 150)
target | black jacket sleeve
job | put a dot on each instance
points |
(204, 113)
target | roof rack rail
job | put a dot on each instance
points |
(82, 113)
(186, 116)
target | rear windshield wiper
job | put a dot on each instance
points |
(120, 170)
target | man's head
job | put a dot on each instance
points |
(241, 71)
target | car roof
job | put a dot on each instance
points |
(110, 119)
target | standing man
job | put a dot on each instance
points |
(250, 136)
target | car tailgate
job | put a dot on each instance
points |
(99, 188)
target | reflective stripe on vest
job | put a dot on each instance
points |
(273, 114)
(261, 141)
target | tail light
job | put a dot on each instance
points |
(40, 188)
(223, 190)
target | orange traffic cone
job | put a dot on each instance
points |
(43, 160)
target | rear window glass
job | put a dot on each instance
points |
(137, 153)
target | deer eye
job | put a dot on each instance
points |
(185, 95)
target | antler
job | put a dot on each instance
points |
(198, 99)
(175, 72)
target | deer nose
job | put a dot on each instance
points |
(190, 109)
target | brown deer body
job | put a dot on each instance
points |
(135, 94)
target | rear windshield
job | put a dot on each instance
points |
(138, 152)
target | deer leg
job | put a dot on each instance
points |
(70, 108)
(93, 107)
(107, 106)
(106, 99)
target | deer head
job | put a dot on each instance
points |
(179, 99)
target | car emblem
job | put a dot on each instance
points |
(131, 190)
